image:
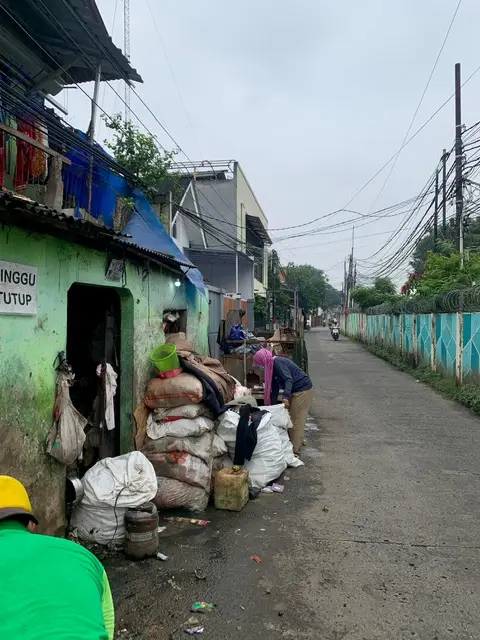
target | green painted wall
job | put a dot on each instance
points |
(29, 346)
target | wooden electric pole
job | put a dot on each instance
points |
(458, 162)
(435, 215)
(444, 193)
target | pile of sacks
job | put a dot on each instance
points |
(273, 450)
(181, 445)
(180, 440)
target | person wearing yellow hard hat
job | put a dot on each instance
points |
(50, 588)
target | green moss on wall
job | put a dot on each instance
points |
(29, 346)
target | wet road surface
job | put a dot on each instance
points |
(378, 536)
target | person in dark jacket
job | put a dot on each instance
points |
(297, 396)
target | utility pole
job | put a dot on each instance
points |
(126, 51)
(91, 132)
(435, 215)
(458, 161)
(274, 319)
(350, 269)
(444, 193)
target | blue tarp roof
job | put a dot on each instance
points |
(146, 231)
(144, 228)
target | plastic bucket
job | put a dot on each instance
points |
(165, 357)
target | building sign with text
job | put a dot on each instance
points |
(18, 289)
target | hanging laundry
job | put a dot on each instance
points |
(25, 152)
(110, 382)
(39, 160)
(10, 148)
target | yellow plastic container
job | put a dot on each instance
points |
(231, 489)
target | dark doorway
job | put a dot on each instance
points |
(93, 338)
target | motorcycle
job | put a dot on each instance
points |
(335, 331)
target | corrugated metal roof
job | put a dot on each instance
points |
(67, 29)
(28, 213)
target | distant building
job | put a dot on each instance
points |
(219, 223)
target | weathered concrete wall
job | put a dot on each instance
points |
(29, 346)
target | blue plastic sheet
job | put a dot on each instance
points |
(148, 232)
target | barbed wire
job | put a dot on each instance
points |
(467, 299)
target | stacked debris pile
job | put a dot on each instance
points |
(179, 438)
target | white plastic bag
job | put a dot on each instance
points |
(280, 416)
(183, 428)
(287, 447)
(202, 446)
(282, 421)
(67, 436)
(227, 429)
(239, 390)
(124, 481)
(219, 446)
(268, 460)
(103, 525)
(173, 494)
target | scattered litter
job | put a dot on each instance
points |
(202, 607)
(161, 556)
(237, 531)
(200, 576)
(242, 608)
(161, 529)
(191, 622)
(286, 477)
(173, 584)
(193, 631)
(325, 509)
(256, 559)
(269, 591)
(273, 488)
(201, 523)
(262, 529)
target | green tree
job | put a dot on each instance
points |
(383, 290)
(310, 282)
(444, 273)
(138, 153)
(446, 242)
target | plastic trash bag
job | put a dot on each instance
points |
(123, 481)
(280, 416)
(67, 436)
(268, 459)
(110, 487)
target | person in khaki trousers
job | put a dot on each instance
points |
(282, 373)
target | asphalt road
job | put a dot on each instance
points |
(378, 536)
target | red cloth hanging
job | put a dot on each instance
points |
(25, 153)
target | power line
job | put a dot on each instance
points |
(173, 76)
(419, 104)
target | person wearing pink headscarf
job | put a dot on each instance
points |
(297, 396)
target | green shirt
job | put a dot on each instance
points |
(51, 589)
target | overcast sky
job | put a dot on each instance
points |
(311, 97)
